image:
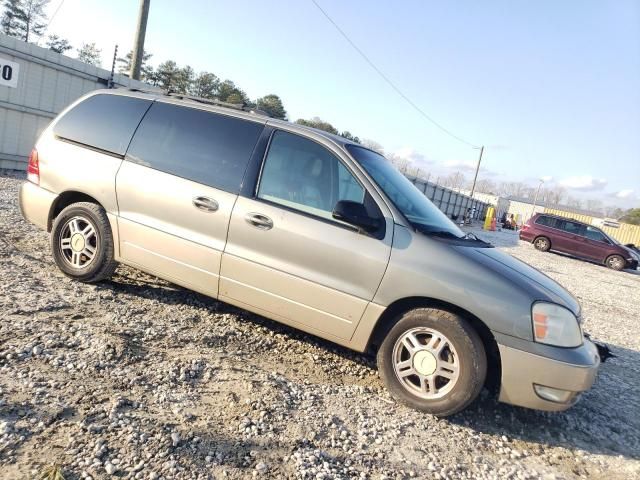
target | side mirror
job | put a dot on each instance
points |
(356, 214)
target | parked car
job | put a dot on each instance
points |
(308, 229)
(551, 232)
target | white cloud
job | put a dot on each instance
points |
(411, 155)
(624, 193)
(460, 165)
(584, 183)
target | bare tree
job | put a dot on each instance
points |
(372, 145)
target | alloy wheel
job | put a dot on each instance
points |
(426, 363)
(78, 242)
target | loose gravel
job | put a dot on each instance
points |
(137, 378)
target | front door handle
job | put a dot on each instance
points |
(259, 221)
(205, 203)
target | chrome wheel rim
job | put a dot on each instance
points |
(78, 242)
(615, 262)
(426, 363)
(541, 243)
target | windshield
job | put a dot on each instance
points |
(413, 204)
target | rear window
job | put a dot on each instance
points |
(106, 122)
(205, 147)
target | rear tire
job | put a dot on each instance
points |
(82, 243)
(434, 361)
(615, 262)
(542, 243)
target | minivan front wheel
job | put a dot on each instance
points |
(82, 242)
(616, 262)
(433, 360)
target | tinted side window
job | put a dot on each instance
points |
(546, 221)
(205, 147)
(595, 234)
(570, 227)
(301, 174)
(103, 121)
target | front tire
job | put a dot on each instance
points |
(615, 262)
(434, 361)
(82, 243)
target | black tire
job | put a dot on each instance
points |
(472, 360)
(103, 264)
(615, 262)
(542, 243)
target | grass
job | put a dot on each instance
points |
(52, 472)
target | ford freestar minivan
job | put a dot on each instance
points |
(308, 229)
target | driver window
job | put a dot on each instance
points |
(593, 234)
(301, 174)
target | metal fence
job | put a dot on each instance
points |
(451, 203)
(36, 85)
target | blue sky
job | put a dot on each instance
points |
(551, 88)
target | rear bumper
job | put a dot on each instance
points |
(35, 204)
(526, 235)
(526, 377)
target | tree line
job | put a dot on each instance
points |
(27, 21)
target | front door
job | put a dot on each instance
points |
(287, 258)
(595, 243)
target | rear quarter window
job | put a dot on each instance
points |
(205, 147)
(103, 121)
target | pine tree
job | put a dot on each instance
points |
(24, 19)
(89, 53)
(58, 44)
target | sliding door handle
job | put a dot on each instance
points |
(205, 203)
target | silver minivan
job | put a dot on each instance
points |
(308, 229)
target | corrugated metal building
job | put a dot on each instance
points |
(35, 85)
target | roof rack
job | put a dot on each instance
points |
(206, 101)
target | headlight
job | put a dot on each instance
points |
(555, 325)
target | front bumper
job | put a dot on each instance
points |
(35, 204)
(632, 264)
(523, 371)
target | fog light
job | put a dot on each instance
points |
(553, 394)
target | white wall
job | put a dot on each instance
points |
(47, 82)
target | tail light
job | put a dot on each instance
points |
(33, 169)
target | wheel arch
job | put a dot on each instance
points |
(392, 313)
(64, 200)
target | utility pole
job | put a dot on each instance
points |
(475, 177)
(535, 199)
(138, 43)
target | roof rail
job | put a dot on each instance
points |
(206, 101)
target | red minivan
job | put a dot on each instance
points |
(551, 232)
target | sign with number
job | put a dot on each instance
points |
(9, 73)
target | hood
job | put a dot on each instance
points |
(539, 285)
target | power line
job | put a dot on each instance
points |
(54, 14)
(386, 79)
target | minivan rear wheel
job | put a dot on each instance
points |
(616, 262)
(82, 242)
(433, 360)
(542, 243)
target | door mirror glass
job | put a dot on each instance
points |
(356, 214)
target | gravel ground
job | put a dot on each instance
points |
(137, 378)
